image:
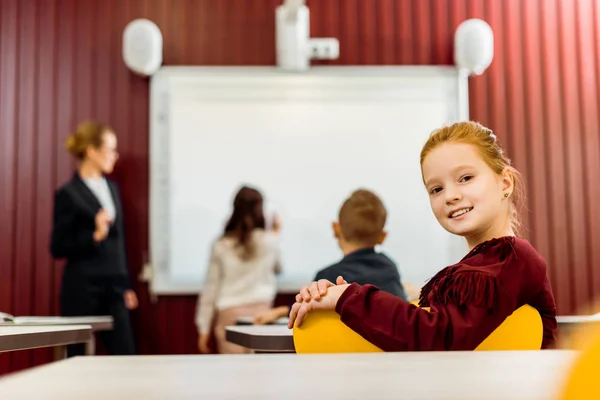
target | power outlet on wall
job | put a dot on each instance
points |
(323, 48)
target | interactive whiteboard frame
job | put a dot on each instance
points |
(157, 272)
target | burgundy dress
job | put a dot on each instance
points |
(467, 301)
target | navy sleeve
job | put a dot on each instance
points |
(329, 273)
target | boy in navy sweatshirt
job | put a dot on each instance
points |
(360, 227)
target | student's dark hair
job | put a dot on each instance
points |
(247, 216)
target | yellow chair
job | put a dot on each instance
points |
(323, 332)
(581, 381)
(522, 330)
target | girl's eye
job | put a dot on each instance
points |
(435, 190)
(466, 178)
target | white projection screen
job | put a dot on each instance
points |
(306, 141)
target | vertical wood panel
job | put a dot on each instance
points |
(478, 96)
(103, 59)
(525, 97)
(25, 170)
(385, 32)
(349, 47)
(123, 123)
(43, 287)
(66, 88)
(590, 140)
(421, 37)
(443, 34)
(367, 41)
(405, 48)
(65, 118)
(84, 67)
(497, 105)
(177, 26)
(252, 43)
(554, 135)
(266, 21)
(9, 29)
(573, 151)
(201, 38)
(508, 108)
(324, 22)
(236, 37)
(61, 62)
(222, 47)
(594, 12)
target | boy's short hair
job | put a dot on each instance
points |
(362, 218)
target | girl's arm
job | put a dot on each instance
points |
(395, 325)
(272, 315)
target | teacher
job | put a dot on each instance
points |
(88, 232)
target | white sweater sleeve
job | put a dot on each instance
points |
(205, 306)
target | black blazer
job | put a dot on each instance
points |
(75, 209)
(366, 266)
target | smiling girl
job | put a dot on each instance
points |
(473, 192)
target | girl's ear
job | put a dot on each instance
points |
(508, 181)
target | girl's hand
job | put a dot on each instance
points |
(321, 295)
(270, 316)
(317, 289)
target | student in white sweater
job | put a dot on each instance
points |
(240, 280)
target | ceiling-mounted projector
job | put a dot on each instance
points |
(294, 47)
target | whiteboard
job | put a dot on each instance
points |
(306, 141)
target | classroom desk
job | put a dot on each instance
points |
(98, 324)
(263, 338)
(568, 325)
(250, 321)
(533, 375)
(277, 338)
(573, 320)
(14, 337)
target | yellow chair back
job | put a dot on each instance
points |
(323, 332)
(581, 381)
(522, 330)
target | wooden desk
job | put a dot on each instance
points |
(13, 338)
(568, 325)
(566, 320)
(532, 375)
(263, 338)
(277, 338)
(250, 321)
(98, 324)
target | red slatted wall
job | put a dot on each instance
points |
(60, 62)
